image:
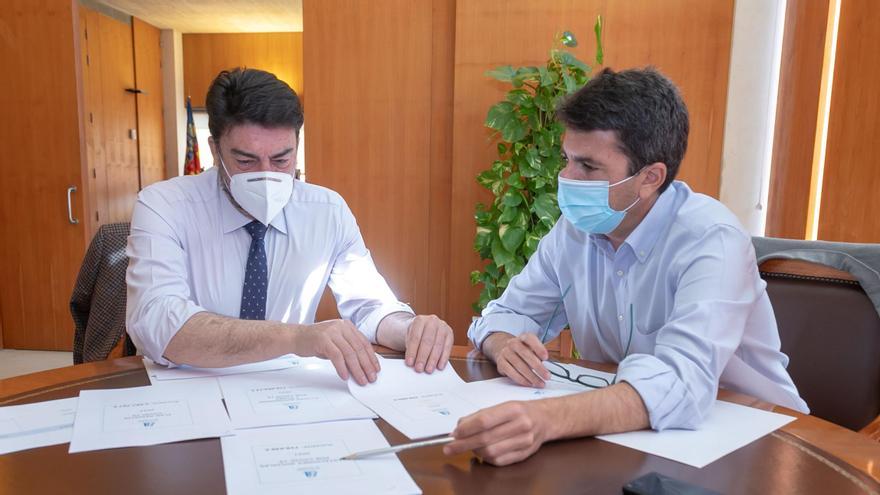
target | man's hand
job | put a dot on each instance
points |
(503, 434)
(428, 343)
(341, 343)
(519, 358)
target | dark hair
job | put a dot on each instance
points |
(643, 107)
(251, 96)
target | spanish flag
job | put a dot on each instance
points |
(191, 165)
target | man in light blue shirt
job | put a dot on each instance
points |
(645, 272)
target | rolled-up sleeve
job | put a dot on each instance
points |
(716, 288)
(362, 294)
(527, 303)
(158, 293)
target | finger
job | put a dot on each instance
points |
(335, 357)
(365, 353)
(525, 362)
(360, 343)
(507, 369)
(534, 343)
(426, 344)
(351, 360)
(486, 419)
(507, 453)
(447, 349)
(413, 341)
(437, 351)
(479, 439)
(534, 362)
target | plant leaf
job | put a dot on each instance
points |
(600, 55)
(512, 238)
(504, 73)
(499, 115)
(568, 39)
(500, 255)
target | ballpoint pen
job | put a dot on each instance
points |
(397, 448)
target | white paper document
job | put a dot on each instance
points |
(728, 427)
(138, 416)
(308, 393)
(304, 459)
(35, 425)
(419, 405)
(422, 405)
(157, 372)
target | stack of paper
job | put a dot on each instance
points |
(308, 393)
(159, 373)
(147, 416)
(36, 425)
(305, 459)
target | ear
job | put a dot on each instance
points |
(654, 175)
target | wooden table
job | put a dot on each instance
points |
(807, 456)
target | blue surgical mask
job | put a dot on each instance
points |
(584, 203)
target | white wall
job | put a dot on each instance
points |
(750, 121)
(174, 102)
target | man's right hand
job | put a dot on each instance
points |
(519, 358)
(341, 343)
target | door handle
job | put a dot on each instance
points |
(70, 191)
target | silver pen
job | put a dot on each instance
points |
(397, 448)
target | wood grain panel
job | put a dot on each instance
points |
(689, 40)
(148, 79)
(800, 79)
(378, 120)
(40, 251)
(850, 201)
(205, 55)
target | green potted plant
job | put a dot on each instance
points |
(523, 178)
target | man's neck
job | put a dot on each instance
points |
(632, 220)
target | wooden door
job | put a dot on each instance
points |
(110, 117)
(148, 77)
(40, 249)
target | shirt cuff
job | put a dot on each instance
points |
(669, 402)
(152, 335)
(370, 325)
(511, 323)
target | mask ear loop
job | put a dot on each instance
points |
(621, 182)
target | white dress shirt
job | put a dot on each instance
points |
(188, 250)
(688, 276)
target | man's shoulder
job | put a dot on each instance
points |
(304, 192)
(699, 215)
(182, 189)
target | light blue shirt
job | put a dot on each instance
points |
(702, 317)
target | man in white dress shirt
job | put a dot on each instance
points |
(645, 272)
(228, 267)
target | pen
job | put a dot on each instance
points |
(397, 448)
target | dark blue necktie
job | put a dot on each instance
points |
(256, 276)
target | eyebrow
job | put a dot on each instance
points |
(255, 157)
(584, 159)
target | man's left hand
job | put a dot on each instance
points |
(428, 343)
(502, 434)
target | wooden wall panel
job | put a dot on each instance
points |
(111, 116)
(689, 40)
(800, 80)
(148, 79)
(850, 199)
(379, 131)
(40, 251)
(205, 55)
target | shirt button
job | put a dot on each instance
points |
(619, 273)
(620, 317)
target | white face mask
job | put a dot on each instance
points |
(262, 194)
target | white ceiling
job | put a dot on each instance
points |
(216, 16)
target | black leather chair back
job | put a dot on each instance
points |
(831, 332)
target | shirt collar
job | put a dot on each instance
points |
(643, 239)
(233, 219)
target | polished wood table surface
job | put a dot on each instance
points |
(807, 456)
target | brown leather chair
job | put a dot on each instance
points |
(831, 332)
